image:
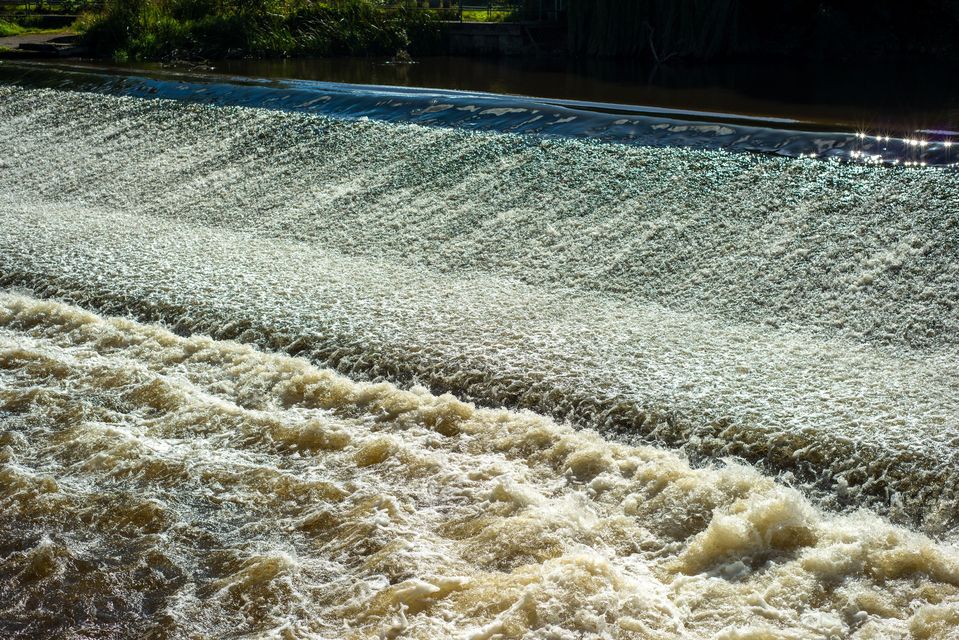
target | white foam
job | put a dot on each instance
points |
(468, 523)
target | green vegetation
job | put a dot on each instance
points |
(656, 30)
(485, 15)
(24, 25)
(10, 29)
(216, 28)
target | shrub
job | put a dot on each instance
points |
(9, 29)
(208, 28)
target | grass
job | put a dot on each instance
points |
(10, 29)
(158, 29)
(485, 15)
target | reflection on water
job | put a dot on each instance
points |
(483, 111)
(872, 97)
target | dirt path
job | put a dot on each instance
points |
(47, 44)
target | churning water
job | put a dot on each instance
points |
(790, 325)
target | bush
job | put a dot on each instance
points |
(212, 28)
(10, 29)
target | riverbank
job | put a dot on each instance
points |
(43, 44)
(143, 29)
(653, 30)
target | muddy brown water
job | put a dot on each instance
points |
(880, 98)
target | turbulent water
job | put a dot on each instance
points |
(569, 119)
(161, 486)
(791, 325)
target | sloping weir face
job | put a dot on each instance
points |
(802, 316)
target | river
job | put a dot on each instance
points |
(275, 370)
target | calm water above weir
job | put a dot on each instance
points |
(554, 118)
(873, 97)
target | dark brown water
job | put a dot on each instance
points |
(876, 98)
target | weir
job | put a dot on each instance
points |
(325, 361)
(797, 314)
(477, 111)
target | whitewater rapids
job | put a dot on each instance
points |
(161, 486)
(801, 315)
(760, 354)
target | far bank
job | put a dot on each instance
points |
(659, 31)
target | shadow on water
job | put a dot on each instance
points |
(702, 124)
(873, 97)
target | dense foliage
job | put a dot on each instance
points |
(646, 29)
(9, 28)
(210, 28)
